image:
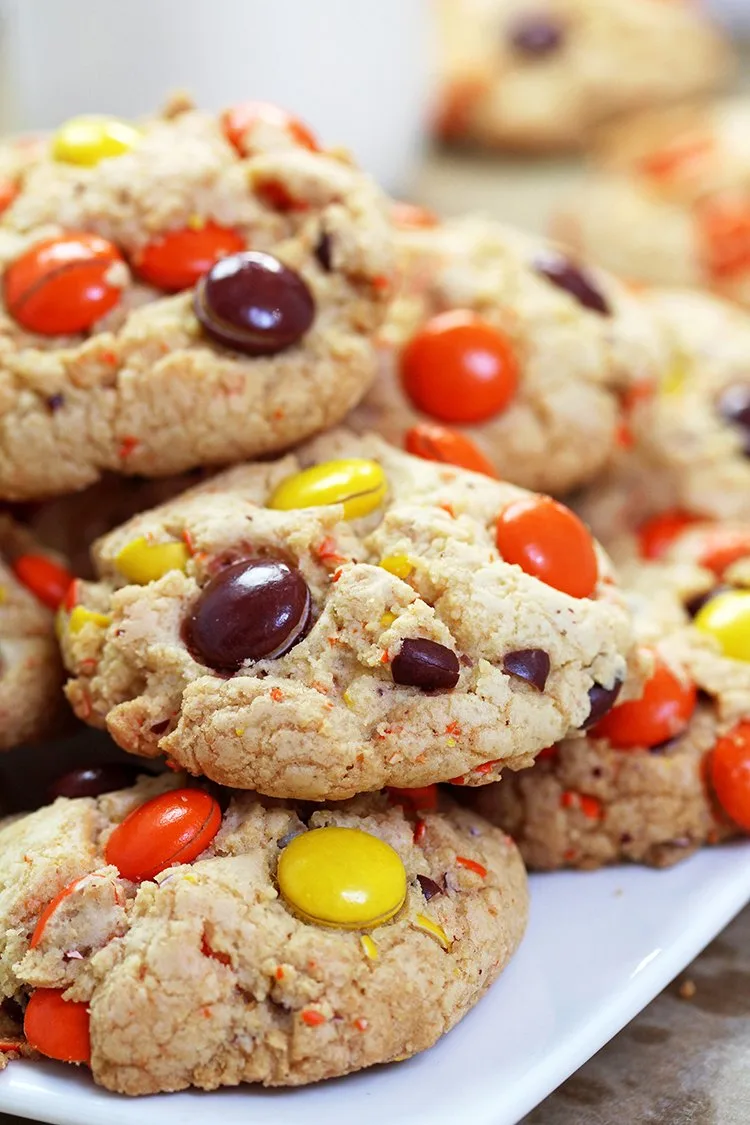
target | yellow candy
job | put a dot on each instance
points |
(87, 140)
(400, 565)
(675, 379)
(727, 618)
(422, 922)
(359, 485)
(387, 620)
(369, 948)
(80, 617)
(342, 877)
(143, 562)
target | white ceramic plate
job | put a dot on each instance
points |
(599, 947)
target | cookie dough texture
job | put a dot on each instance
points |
(667, 200)
(204, 977)
(603, 58)
(146, 392)
(326, 720)
(31, 700)
(686, 454)
(574, 364)
(589, 803)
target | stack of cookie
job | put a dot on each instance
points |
(310, 641)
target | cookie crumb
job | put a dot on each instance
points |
(687, 989)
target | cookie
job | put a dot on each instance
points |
(691, 439)
(195, 292)
(667, 200)
(661, 775)
(501, 354)
(344, 619)
(32, 583)
(522, 75)
(235, 951)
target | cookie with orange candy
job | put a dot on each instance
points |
(504, 356)
(33, 583)
(538, 76)
(343, 619)
(167, 938)
(192, 290)
(667, 199)
(660, 775)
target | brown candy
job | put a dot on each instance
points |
(529, 664)
(256, 609)
(92, 781)
(429, 887)
(253, 303)
(566, 275)
(426, 665)
(602, 700)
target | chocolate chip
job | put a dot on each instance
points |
(323, 252)
(528, 664)
(55, 402)
(426, 665)
(626, 838)
(429, 887)
(92, 781)
(254, 304)
(693, 605)
(733, 404)
(536, 34)
(255, 610)
(573, 279)
(602, 700)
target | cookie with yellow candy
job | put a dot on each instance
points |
(267, 943)
(343, 619)
(33, 581)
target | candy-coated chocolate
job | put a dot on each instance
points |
(422, 922)
(240, 121)
(142, 562)
(59, 287)
(550, 542)
(656, 535)
(255, 609)
(253, 303)
(573, 279)
(51, 907)
(170, 829)
(92, 781)
(342, 877)
(726, 618)
(88, 140)
(57, 1028)
(409, 216)
(722, 547)
(438, 443)
(177, 259)
(8, 192)
(359, 485)
(425, 664)
(663, 711)
(400, 565)
(459, 368)
(536, 35)
(80, 616)
(730, 774)
(47, 580)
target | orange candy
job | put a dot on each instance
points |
(177, 259)
(57, 1028)
(730, 774)
(458, 368)
(549, 541)
(50, 909)
(662, 712)
(722, 548)
(8, 192)
(172, 828)
(724, 230)
(420, 799)
(59, 287)
(657, 534)
(238, 120)
(678, 157)
(408, 216)
(48, 581)
(438, 443)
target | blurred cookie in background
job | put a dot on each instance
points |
(539, 75)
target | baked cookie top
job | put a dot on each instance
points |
(529, 75)
(170, 943)
(33, 581)
(347, 618)
(529, 353)
(195, 291)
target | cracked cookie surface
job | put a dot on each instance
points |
(421, 654)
